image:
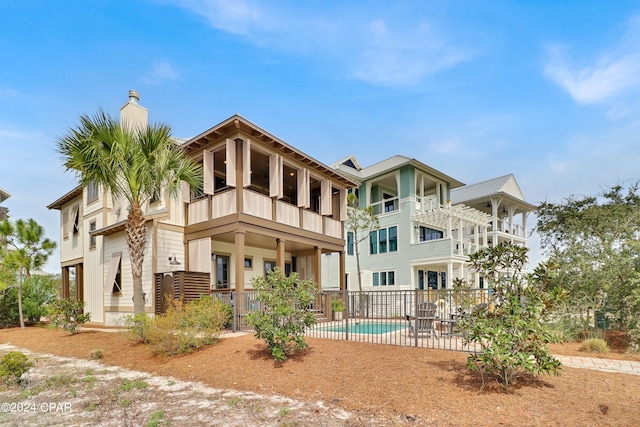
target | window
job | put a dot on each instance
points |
(117, 281)
(289, 185)
(481, 284)
(92, 192)
(373, 243)
(220, 169)
(113, 283)
(155, 197)
(443, 280)
(384, 278)
(314, 194)
(222, 272)
(393, 239)
(427, 233)
(432, 279)
(268, 267)
(76, 220)
(248, 263)
(389, 205)
(350, 247)
(92, 239)
(259, 172)
(382, 238)
(287, 269)
(385, 240)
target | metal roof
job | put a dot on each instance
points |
(391, 164)
(503, 184)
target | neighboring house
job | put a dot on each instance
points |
(429, 224)
(264, 204)
(4, 212)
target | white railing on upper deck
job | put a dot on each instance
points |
(311, 221)
(516, 229)
(287, 214)
(430, 204)
(198, 211)
(385, 206)
(257, 204)
(332, 228)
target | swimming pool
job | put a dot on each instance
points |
(374, 328)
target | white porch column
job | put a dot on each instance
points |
(476, 238)
(449, 274)
(485, 236)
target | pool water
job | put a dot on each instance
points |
(375, 328)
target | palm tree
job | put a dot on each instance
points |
(132, 163)
(29, 251)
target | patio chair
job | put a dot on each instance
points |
(424, 322)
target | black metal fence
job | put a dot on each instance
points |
(417, 318)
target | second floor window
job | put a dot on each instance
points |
(427, 233)
(92, 192)
(350, 247)
(92, 239)
(384, 240)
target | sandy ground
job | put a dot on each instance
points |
(236, 382)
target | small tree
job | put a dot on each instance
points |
(361, 223)
(285, 312)
(511, 333)
(28, 251)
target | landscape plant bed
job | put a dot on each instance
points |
(384, 383)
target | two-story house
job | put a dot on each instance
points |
(264, 204)
(429, 224)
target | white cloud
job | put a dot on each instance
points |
(404, 56)
(161, 71)
(364, 47)
(612, 73)
(237, 16)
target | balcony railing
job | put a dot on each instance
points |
(385, 206)
(504, 226)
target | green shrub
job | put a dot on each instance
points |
(512, 332)
(285, 312)
(594, 345)
(68, 315)
(12, 366)
(137, 326)
(186, 327)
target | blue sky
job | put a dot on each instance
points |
(546, 90)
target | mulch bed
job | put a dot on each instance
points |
(411, 385)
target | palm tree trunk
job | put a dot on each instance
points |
(136, 235)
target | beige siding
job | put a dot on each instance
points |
(93, 271)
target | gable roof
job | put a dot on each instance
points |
(505, 186)
(237, 122)
(76, 192)
(391, 164)
(4, 195)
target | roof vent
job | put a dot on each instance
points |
(134, 96)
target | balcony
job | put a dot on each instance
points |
(385, 206)
(265, 207)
